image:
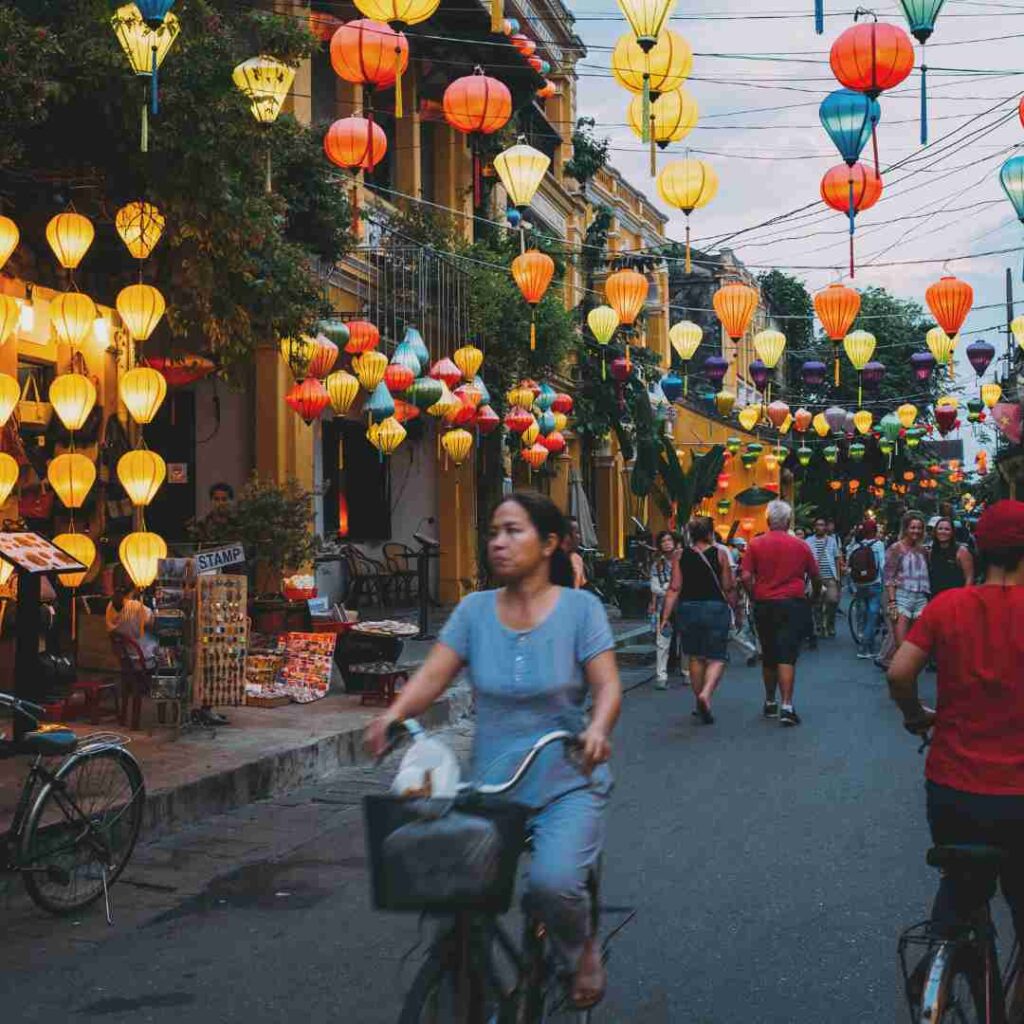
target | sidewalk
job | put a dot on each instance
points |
(261, 753)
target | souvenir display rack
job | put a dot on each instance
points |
(174, 605)
(222, 638)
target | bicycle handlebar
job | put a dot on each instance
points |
(25, 707)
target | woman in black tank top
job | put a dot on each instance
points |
(701, 593)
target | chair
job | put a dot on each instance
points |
(365, 577)
(401, 562)
(135, 676)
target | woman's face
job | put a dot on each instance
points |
(515, 549)
(943, 531)
(668, 544)
(915, 531)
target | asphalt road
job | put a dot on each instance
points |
(772, 870)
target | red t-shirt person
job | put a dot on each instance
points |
(976, 636)
(780, 565)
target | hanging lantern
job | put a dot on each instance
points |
(142, 473)
(671, 386)
(342, 389)
(732, 446)
(298, 354)
(457, 444)
(831, 454)
(532, 272)
(950, 300)
(369, 368)
(670, 118)
(922, 364)
(715, 368)
(837, 307)
(554, 442)
(140, 226)
(849, 118)
(487, 420)
(308, 399)
(388, 436)
(521, 169)
(325, 355)
(722, 506)
(355, 142)
(72, 396)
(849, 190)
(974, 407)
(71, 476)
(180, 371)
(859, 347)
(405, 411)
(872, 57)
(140, 306)
(603, 322)
(857, 451)
(477, 104)
(371, 54)
(803, 455)
(979, 355)
(769, 346)
(561, 421)
(408, 12)
(626, 290)
(140, 554)
(685, 338)
(446, 404)
(546, 422)
(424, 392)
(724, 402)
(69, 235)
(802, 420)
(749, 459)
(265, 82)
(562, 403)
(906, 414)
(990, 394)
(142, 390)
(363, 336)
(820, 424)
(81, 548)
(397, 378)
(380, 405)
(9, 235)
(749, 417)
(758, 373)
(71, 318)
(661, 69)
(530, 435)
(646, 18)
(520, 395)
(777, 413)
(445, 370)
(835, 418)
(812, 373)
(862, 420)
(687, 185)
(468, 359)
(735, 305)
(535, 456)
(942, 346)
(9, 473)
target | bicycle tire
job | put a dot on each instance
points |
(954, 991)
(54, 834)
(856, 615)
(429, 987)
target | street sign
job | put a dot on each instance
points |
(211, 561)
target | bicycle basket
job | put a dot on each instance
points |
(443, 855)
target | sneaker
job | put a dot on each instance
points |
(787, 716)
(661, 684)
(865, 654)
(770, 709)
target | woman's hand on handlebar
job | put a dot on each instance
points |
(378, 737)
(595, 747)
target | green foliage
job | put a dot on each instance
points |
(787, 296)
(273, 521)
(589, 154)
(235, 263)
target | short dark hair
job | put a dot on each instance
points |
(701, 528)
(661, 536)
(820, 519)
(1002, 558)
(225, 487)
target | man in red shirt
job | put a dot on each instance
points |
(776, 568)
(975, 767)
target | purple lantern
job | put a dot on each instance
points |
(922, 364)
(836, 419)
(715, 367)
(872, 374)
(980, 354)
(671, 386)
(849, 425)
(813, 373)
(758, 374)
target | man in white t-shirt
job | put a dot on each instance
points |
(825, 548)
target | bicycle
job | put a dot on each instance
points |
(74, 829)
(857, 616)
(473, 972)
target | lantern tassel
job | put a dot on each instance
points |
(398, 83)
(853, 214)
(689, 264)
(269, 183)
(354, 203)
(645, 111)
(144, 133)
(819, 16)
(836, 366)
(604, 371)
(533, 335)
(497, 15)
(686, 381)
(654, 153)
(874, 144)
(924, 100)
(154, 87)
(477, 186)
(860, 388)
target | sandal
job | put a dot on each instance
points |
(587, 1000)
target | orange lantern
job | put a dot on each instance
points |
(397, 377)
(950, 300)
(308, 399)
(355, 142)
(627, 292)
(735, 304)
(747, 524)
(836, 186)
(837, 307)
(802, 420)
(854, 485)
(372, 54)
(835, 485)
(362, 337)
(535, 456)
(477, 104)
(325, 355)
(532, 271)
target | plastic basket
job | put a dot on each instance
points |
(447, 874)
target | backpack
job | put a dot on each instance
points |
(863, 567)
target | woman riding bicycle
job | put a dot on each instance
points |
(975, 767)
(533, 650)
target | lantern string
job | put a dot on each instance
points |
(497, 15)
(853, 213)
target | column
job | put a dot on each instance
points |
(408, 177)
(284, 444)
(456, 495)
(608, 512)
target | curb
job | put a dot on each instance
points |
(170, 809)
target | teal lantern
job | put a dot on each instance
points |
(1011, 176)
(831, 454)
(723, 506)
(414, 340)
(748, 459)
(544, 400)
(921, 15)
(546, 422)
(857, 451)
(913, 437)
(885, 446)
(889, 427)
(803, 455)
(733, 445)
(755, 447)
(380, 405)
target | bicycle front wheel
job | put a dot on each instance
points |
(955, 989)
(434, 997)
(857, 615)
(81, 832)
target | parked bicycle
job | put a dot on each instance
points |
(857, 615)
(75, 827)
(473, 973)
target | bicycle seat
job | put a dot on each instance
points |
(48, 742)
(967, 856)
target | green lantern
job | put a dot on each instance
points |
(748, 459)
(733, 445)
(885, 446)
(857, 451)
(755, 447)
(913, 437)
(974, 407)
(889, 426)
(831, 453)
(803, 455)
(723, 506)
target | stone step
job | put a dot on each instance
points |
(636, 654)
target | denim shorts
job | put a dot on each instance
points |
(910, 603)
(704, 629)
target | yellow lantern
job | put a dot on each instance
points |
(142, 45)
(521, 396)
(71, 318)
(72, 396)
(445, 405)
(603, 322)
(71, 475)
(388, 436)
(786, 424)
(265, 82)
(646, 18)
(69, 236)
(941, 345)
(990, 394)
(9, 472)
(342, 389)
(298, 353)
(673, 115)
(1016, 325)
(951, 400)
(687, 185)
(862, 420)
(561, 421)
(468, 359)
(661, 69)
(906, 414)
(457, 444)
(140, 307)
(771, 462)
(9, 235)
(142, 474)
(80, 547)
(530, 434)
(140, 225)
(140, 554)
(409, 12)
(142, 391)
(685, 337)
(750, 416)
(724, 402)
(521, 169)
(859, 347)
(820, 425)
(769, 346)
(10, 313)
(370, 367)
(10, 395)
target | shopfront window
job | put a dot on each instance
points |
(357, 485)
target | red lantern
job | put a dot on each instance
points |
(524, 44)
(735, 304)
(446, 370)
(181, 372)
(950, 300)
(398, 377)
(554, 442)
(518, 419)
(477, 104)
(872, 57)
(747, 525)
(308, 399)
(355, 142)
(324, 357)
(547, 90)
(463, 414)
(323, 26)
(621, 368)
(487, 420)
(562, 403)
(835, 187)
(723, 481)
(369, 53)
(538, 65)
(362, 337)
(405, 411)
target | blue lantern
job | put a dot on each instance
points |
(414, 340)
(154, 11)
(1012, 178)
(849, 118)
(671, 386)
(380, 405)
(514, 217)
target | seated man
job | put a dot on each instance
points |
(129, 617)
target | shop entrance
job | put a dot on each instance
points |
(173, 434)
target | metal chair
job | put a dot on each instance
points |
(365, 577)
(400, 560)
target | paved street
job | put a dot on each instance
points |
(771, 869)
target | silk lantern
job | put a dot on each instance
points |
(532, 272)
(71, 318)
(69, 235)
(603, 322)
(990, 394)
(355, 143)
(979, 355)
(298, 352)
(950, 300)
(457, 444)
(342, 389)
(521, 169)
(804, 455)
(535, 456)
(820, 424)
(142, 473)
(9, 473)
(388, 436)
(837, 307)
(397, 378)
(862, 420)
(749, 417)
(735, 305)
(407, 12)
(802, 420)
(777, 413)
(142, 391)
(849, 190)
(906, 414)
(140, 554)
(71, 476)
(140, 306)
(9, 236)
(477, 105)
(370, 367)
(626, 290)
(308, 399)
(671, 117)
(372, 54)
(265, 82)
(325, 355)
(72, 396)
(687, 185)
(662, 68)
(646, 18)
(468, 359)
(363, 336)
(81, 548)
(725, 401)
(140, 226)
(859, 347)
(685, 338)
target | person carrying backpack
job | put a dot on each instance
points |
(865, 558)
